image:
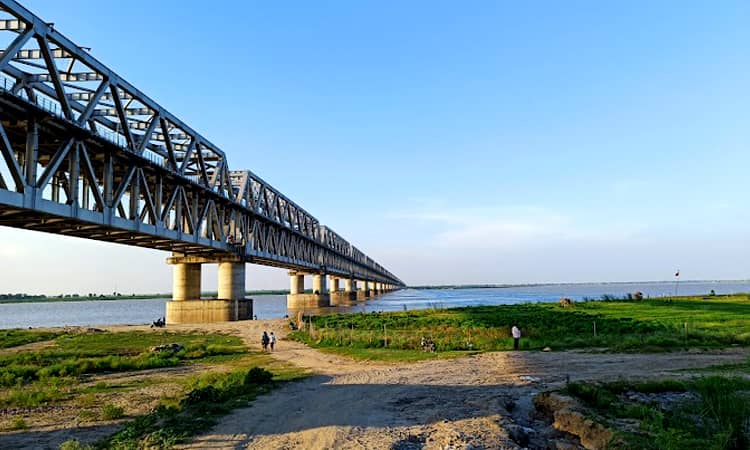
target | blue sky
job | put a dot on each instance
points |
(455, 142)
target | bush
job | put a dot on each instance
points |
(258, 376)
(74, 444)
(112, 412)
(18, 424)
(724, 404)
(206, 394)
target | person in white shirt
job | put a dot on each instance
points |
(516, 336)
(273, 340)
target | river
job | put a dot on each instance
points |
(115, 312)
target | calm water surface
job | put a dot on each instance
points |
(113, 312)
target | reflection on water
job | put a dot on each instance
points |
(111, 312)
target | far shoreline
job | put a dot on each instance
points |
(79, 299)
(208, 295)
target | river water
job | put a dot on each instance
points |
(114, 312)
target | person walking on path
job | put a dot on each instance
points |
(273, 340)
(516, 336)
(264, 341)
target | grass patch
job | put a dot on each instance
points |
(14, 338)
(645, 325)
(209, 397)
(393, 355)
(715, 416)
(49, 375)
(76, 355)
(19, 424)
(112, 412)
(74, 444)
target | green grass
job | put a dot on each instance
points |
(112, 412)
(40, 377)
(718, 418)
(644, 326)
(393, 355)
(14, 338)
(209, 396)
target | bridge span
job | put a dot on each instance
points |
(87, 154)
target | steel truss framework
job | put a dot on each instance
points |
(85, 153)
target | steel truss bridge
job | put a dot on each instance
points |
(87, 154)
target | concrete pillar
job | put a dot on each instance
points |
(350, 285)
(296, 283)
(186, 281)
(334, 284)
(319, 284)
(231, 280)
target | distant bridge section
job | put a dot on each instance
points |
(87, 154)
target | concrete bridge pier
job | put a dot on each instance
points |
(186, 281)
(231, 281)
(334, 284)
(339, 297)
(298, 299)
(319, 284)
(188, 307)
(364, 293)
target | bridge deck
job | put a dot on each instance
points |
(84, 153)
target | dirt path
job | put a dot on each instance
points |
(472, 402)
(460, 403)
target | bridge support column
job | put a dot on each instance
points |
(364, 293)
(319, 284)
(298, 299)
(296, 283)
(186, 305)
(186, 282)
(375, 289)
(344, 297)
(334, 284)
(231, 281)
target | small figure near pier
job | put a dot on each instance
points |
(264, 340)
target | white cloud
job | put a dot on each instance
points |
(513, 227)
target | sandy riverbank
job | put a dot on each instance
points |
(468, 402)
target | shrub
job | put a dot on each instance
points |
(18, 424)
(206, 394)
(723, 403)
(112, 412)
(258, 375)
(74, 444)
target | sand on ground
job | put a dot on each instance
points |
(462, 403)
(466, 402)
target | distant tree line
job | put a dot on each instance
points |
(19, 296)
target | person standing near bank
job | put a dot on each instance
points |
(273, 340)
(516, 336)
(264, 341)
